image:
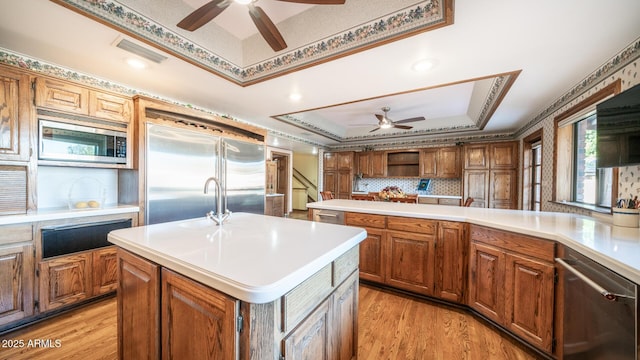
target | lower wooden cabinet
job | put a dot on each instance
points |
(65, 280)
(16, 282)
(451, 261)
(163, 314)
(138, 307)
(424, 256)
(311, 339)
(511, 281)
(274, 205)
(190, 308)
(411, 259)
(105, 270)
(373, 251)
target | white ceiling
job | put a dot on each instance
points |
(555, 45)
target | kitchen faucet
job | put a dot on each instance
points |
(218, 217)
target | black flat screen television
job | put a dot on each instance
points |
(618, 130)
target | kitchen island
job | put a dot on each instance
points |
(258, 287)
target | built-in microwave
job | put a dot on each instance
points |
(69, 142)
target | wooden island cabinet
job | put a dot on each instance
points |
(290, 302)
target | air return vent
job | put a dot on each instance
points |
(133, 48)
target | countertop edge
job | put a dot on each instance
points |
(250, 294)
(57, 214)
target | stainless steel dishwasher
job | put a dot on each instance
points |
(600, 311)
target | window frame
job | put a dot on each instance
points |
(564, 144)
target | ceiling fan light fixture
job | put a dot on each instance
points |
(386, 125)
(244, 2)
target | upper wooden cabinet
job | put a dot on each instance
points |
(346, 160)
(490, 174)
(72, 98)
(330, 161)
(371, 163)
(441, 162)
(503, 155)
(15, 115)
(476, 156)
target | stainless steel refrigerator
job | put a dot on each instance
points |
(178, 163)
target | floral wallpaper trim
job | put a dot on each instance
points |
(422, 16)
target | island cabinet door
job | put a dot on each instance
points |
(344, 325)
(138, 308)
(529, 306)
(486, 281)
(411, 261)
(198, 322)
(310, 339)
(451, 261)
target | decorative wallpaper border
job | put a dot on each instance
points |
(423, 16)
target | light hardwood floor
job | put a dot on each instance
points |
(391, 326)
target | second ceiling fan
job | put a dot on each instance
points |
(268, 30)
(385, 123)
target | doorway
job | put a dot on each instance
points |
(283, 161)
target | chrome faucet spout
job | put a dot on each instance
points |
(219, 216)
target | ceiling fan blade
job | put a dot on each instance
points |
(380, 117)
(405, 127)
(203, 15)
(317, 2)
(410, 120)
(266, 27)
(376, 129)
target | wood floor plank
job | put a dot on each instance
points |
(89, 332)
(391, 326)
(395, 326)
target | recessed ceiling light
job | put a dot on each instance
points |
(422, 65)
(295, 97)
(136, 63)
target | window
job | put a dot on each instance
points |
(532, 172)
(576, 179)
(590, 185)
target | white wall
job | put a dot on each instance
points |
(55, 182)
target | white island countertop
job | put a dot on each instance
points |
(254, 258)
(617, 248)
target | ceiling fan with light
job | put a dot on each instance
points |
(385, 123)
(270, 33)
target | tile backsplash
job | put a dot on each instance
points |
(451, 187)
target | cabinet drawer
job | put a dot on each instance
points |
(366, 220)
(447, 201)
(345, 265)
(428, 200)
(427, 227)
(517, 243)
(297, 303)
(15, 233)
